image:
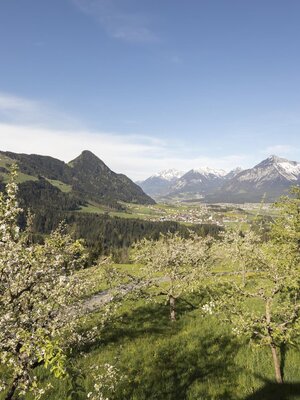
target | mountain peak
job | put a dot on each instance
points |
(89, 161)
(270, 161)
(169, 174)
(275, 159)
(209, 171)
(237, 169)
(87, 154)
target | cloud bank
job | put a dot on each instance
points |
(26, 126)
(134, 155)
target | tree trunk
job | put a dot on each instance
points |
(243, 276)
(275, 357)
(172, 308)
(11, 392)
(283, 351)
(276, 363)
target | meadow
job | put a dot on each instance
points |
(196, 357)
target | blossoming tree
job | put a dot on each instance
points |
(37, 285)
(179, 263)
(264, 304)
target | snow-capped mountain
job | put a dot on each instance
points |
(159, 184)
(275, 166)
(199, 181)
(210, 172)
(271, 178)
(168, 174)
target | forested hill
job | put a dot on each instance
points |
(55, 191)
(84, 179)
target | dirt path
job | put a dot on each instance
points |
(100, 299)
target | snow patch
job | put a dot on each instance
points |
(206, 171)
(168, 174)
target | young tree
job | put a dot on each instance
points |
(286, 228)
(178, 263)
(242, 247)
(37, 285)
(266, 307)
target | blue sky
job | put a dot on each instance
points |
(151, 84)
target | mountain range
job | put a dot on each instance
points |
(269, 179)
(50, 183)
(160, 184)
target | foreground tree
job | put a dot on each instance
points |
(242, 247)
(37, 285)
(266, 306)
(174, 265)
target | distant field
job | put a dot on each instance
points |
(188, 214)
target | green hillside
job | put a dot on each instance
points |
(86, 177)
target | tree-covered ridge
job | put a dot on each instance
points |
(88, 177)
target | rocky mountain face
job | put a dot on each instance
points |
(86, 178)
(233, 173)
(95, 180)
(270, 178)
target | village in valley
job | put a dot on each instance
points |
(200, 213)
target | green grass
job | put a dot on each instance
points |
(195, 358)
(132, 211)
(20, 178)
(6, 162)
(63, 187)
(230, 215)
(95, 275)
(93, 208)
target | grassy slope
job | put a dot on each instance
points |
(60, 185)
(195, 358)
(5, 162)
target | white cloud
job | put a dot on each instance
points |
(137, 156)
(10, 103)
(119, 24)
(26, 126)
(16, 109)
(279, 149)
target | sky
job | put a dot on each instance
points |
(148, 85)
